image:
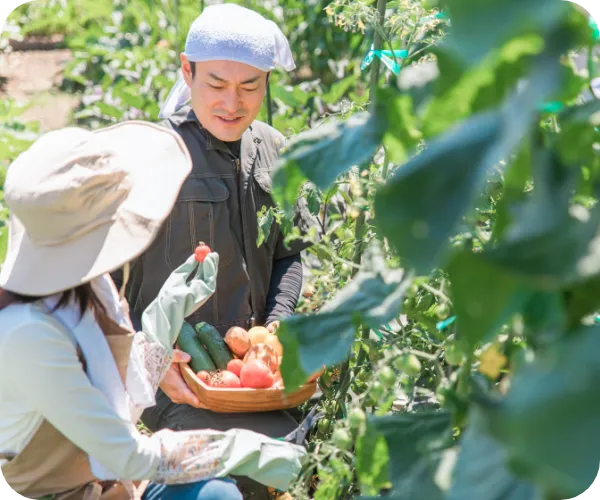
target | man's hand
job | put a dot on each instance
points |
(272, 327)
(173, 383)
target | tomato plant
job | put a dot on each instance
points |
(453, 218)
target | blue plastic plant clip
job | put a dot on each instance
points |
(442, 325)
(386, 56)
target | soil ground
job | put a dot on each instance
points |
(34, 77)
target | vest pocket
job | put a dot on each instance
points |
(200, 214)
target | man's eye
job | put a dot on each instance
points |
(251, 90)
(215, 87)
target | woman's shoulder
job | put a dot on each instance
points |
(23, 316)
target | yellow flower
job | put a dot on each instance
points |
(492, 361)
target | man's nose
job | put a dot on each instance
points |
(230, 101)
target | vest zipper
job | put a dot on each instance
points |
(241, 200)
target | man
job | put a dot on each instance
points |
(230, 52)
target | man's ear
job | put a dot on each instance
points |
(186, 69)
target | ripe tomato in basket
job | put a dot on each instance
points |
(226, 379)
(256, 375)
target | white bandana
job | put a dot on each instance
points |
(228, 32)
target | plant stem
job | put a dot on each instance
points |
(358, 236)
(591, 67)
(436, 292)
(377, 45)
(269, 104)
(176, 22)
(385, 170)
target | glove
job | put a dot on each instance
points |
(188, 456)
(179, 297)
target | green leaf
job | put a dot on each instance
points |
(414, 441)
(475, 30)
(480, 471)
(313, 199)
(515, 181)
(479, 88)
(372, 456)
(287, 182)
(131, 98)
(333, 475)
(321, 154)
(339, 89)
(292, 96)
(109, 111)
(548, 422)
(329, 485)
(508, 67)
(548, 203)
(421, 205)
(482, 309)
(581, 299)
(578, 134)
(372, 298)
(563, 254)
(265, 221)
(403, 133)
(545, 313)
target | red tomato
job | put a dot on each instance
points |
(225, 378)
(202, 250)
(204, 376)
(256, 375)
(235, 366)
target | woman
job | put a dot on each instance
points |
(74, 376)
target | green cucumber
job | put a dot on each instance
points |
(215, 345)
(190, 343)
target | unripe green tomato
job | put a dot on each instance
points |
(356, 418)
(323, 425)
(370, 400)
(408, 364)
(345, 270)
(453, 356)
(440, 395)
(387, 377)
(442, 311)
(363, 376)
(377, 391)
(342, 439)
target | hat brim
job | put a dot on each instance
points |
(158, 163)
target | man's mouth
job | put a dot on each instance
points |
(229, 120)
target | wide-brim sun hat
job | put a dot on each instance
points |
(84, 203)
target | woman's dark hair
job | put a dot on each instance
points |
(83, 295)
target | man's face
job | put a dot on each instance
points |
(226, 96)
